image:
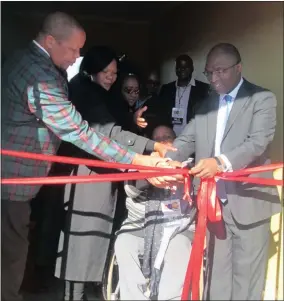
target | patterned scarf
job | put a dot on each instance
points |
(162, 223)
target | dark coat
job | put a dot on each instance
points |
(122, 112)
(198, 93)
(83, 245)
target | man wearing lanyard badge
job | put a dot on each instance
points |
(182, 97)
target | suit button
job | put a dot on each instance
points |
(130, 142)
(37, 119)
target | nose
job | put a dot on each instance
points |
(213, 77)
(109, 77)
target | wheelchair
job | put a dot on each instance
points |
(110, 281)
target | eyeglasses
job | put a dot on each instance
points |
(131, 91)
(219, 72)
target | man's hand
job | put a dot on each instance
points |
(163, 182)
(151, 161)
(162, 149)
(166, 181)
(205, 168)
(138, 120)
(156, 161)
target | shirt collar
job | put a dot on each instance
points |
(234, 92)
(39, 46)
(191, 83)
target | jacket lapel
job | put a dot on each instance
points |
(238, 106)
(173, 90)
(212, 121)
(192, 99)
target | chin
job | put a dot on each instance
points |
(219, 90)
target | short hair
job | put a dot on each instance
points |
(171, 135)
(186, 58)
(59, 25)
(227, 48)
(126, 76)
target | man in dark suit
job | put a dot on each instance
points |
(180, 99)
(233, 130)
(36, 116)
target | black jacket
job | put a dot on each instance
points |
(96, 106)
(168, 95)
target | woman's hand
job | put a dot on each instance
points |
(138, 119)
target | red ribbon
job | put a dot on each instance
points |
(209, 207)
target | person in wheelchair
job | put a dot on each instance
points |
(153, 246)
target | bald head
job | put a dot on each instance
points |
(227, 49)
(59, 25)
(223, 67)
(164, 134)
(62, 37)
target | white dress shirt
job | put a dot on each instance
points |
(222, 118)
(39, 46)
(181, 102)
(221, 122)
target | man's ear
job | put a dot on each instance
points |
(239, 68)
(50, 41)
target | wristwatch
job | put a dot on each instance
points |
(219, 164)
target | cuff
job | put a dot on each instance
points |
(149, 148)
(228, 165)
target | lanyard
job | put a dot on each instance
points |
(180, 96)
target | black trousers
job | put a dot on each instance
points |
(15, 217)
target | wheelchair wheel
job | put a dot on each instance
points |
(110, 285)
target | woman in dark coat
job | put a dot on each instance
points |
(90, 208)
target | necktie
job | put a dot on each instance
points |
(221, 191)
(228, 99)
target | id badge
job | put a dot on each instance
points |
(177, 116)
(171, 208)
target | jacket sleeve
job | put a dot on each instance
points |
(104, 123)
(185, 143)
(48, 101)
(260, 135)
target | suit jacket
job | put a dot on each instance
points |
(168, 95)
(37, 115)
(247, 137)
